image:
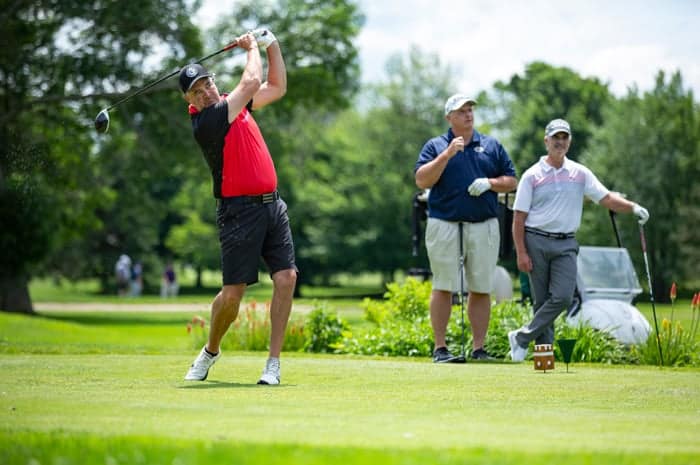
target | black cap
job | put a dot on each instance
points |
(190, 74)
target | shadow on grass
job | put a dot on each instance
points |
(223, 384)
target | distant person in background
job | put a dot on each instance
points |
(122, 273)
(136, 279)
(168, 286)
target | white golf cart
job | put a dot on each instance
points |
(606, 286)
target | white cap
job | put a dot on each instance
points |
(456, 101)
(555, 126)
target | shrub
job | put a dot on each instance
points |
(324, 330)
(592, 345)
(408, 301)
(402, 324)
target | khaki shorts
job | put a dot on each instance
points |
(480, 245)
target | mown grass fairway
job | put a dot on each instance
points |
(70, 405)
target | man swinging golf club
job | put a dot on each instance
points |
(251, 218)
(548, 208)
(464, 171)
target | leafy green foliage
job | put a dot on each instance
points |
(250, 331)
(592, 345)
(679, 345)
(317, 40)
(402, 324)
(323, 330)
(649, 149)
(522, 107)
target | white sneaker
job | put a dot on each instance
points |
(200, 367)
(271, 373)
(517, 353)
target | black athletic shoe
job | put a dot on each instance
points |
(442, 355)
(481, 354)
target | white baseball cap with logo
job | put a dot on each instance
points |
(456, 101)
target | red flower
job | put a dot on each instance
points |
(673, 292)
(696, 300)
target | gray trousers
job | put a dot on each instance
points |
(552, 283)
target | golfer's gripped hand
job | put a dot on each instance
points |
(641, 213)
(456, 146)
(265, 37)
(479, 186)
(247, 41)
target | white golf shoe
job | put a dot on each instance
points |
(271, 373)
(200, 367)
(517, 353)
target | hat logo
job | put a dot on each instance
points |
(191, 71)
(478, 149)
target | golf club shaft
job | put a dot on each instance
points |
(643, 240)
(613, 220)
(165, 78)
(461, 282)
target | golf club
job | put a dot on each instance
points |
(462, 358)
(102, 119)
(613, 216)
(643, 240)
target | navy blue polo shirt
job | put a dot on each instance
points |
(482, 157)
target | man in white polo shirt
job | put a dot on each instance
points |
(547, 213)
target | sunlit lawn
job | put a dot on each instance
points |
(92, 388)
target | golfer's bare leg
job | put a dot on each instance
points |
(224, 310)
(479, 310)
(284, 282)
(440, 310)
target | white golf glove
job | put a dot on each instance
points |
(479, 186)
(641, 213)
(264, 37)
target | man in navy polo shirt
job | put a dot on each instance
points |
(251, 217)
(465, 171)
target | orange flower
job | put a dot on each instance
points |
(189, 328)
(673, 292)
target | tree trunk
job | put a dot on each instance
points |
(198, 284)
(14, 295)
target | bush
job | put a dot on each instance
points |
(324, 330)
(592, 345)
(402, 324)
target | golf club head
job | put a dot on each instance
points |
(459, 359)
(102, 121)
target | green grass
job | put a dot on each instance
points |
(107, 388)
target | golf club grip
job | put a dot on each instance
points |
(228, 47)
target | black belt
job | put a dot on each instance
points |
(250, 199)
(550, 235)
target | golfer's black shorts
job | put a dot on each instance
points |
(248, 232)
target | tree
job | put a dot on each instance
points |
(522, 107)
(66, 55)
(649, 149)
(355, 170)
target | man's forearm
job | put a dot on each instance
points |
(277, 71)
